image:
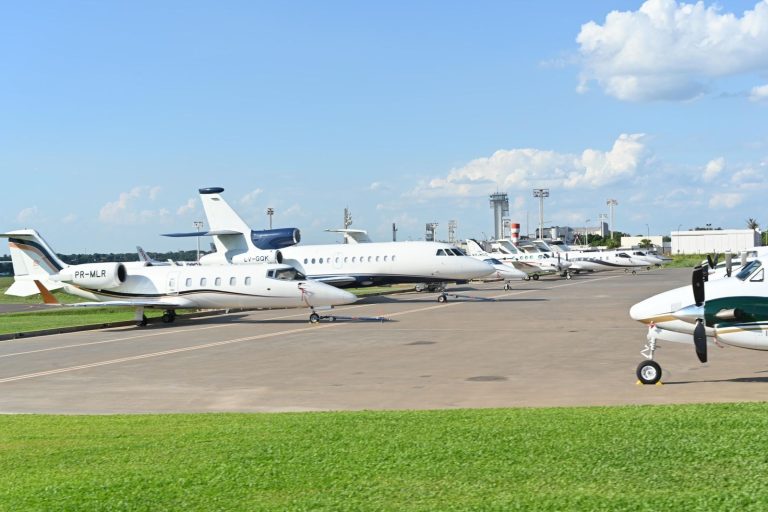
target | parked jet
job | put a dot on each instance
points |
(502, 271)
(529, 258)
(166, 287)
(734, 311)
(361, 264)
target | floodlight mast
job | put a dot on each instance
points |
(541, 193)
(611, 204)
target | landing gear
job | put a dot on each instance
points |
(535, 277)
(142, 322)
(649, 371)
(139, 317)
(634, 272)
(507, 287)
(442, 298)
(315, 318)
(169, 316)
(566, 275)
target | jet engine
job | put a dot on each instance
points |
(102, 276)
(275, 238)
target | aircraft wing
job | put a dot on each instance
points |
(129, 303)
(335, 280)
(528, 268)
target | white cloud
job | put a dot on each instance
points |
(713, 168)
(30, 214)
(726, 200)
(188, 207)
(124, 211)
(154, 192)
(69, 219)
(523, 168)
(759, 93)
(250, 197)
(378, 185)
(671, 51)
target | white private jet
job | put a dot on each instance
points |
(166, 287)
(530, 258)
(734, 311)
(356, 264)
(502, 271)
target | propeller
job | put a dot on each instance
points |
(728, 264)
(699, 332)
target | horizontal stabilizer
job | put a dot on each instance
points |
(26, 288)
(205, 233)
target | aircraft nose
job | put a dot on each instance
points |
(644, 310)
(321, 294)
(477, 268)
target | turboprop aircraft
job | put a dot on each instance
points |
(502, 271)
(733, 311)
(166, 287)
(361, 264)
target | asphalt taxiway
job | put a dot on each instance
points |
(551, 342)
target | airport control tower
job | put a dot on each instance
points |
(500, 205)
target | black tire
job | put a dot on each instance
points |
(527, 278)
(168, 317)
(442, 298)
(314, 318)
(535, 277)
(142, 322)
(331, 318)
(649, 372)
(634, 272)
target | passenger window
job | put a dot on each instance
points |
(271, 273)
(321, 260)
(306, 261)
(345, 259)
(337, 259)
(188, 282)
(313, 261)
(369, 259)
(248, 281)
(232, 281)
(203, 281)
(217, 282)
(385, 258)
(393, 257)
(377, 258)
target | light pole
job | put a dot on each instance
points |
(541, 193)
(270, 213)
(198, 225)
(648, 231)
(586, 231)
(611, 204)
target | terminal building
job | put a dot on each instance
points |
(714, 241)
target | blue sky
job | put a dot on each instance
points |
(113, 114)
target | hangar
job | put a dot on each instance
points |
(714, 240)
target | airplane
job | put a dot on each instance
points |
(529, 258)
(342, 265)
(733, 311)
(166, 287)
(502, 271)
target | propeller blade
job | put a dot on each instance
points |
(710, 262)
(728, 264)
(697, 281)
(700, 340)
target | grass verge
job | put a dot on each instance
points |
(697, 457)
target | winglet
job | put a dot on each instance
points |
(48, 297)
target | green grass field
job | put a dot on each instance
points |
(698, 457)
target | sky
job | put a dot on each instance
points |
(113, 115)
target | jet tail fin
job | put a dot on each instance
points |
(33, 259)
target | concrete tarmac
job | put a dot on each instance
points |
(551, 342)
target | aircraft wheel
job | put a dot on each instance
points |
(142, 322)
(168, 317)
(535, 277)
(331, 318)
(649, 372)
(507, 287)
(442, 298)
(314, 318)
(527, 278)
(419, 287)
(567, 275)
(647, 268)
(634, 272)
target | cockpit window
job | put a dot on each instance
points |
(494, 261)
(286, 274)
(623, 255)
(440, 252)
(748, 270)
(458, 252)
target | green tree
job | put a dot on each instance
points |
(752, 223)
(645, 244)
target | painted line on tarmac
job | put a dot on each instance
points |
(249, 338)
(162, 353)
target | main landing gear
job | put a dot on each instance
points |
(169, 315)
(649, 371)
(315, 318)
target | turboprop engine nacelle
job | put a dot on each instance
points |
(94, 275)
